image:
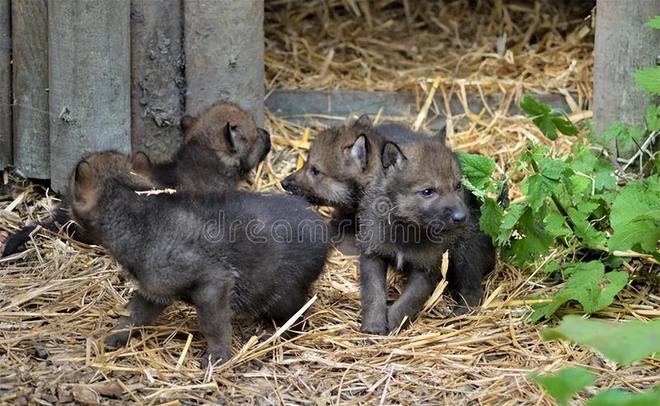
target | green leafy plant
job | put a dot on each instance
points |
(649, 78)
(641, 340)
(574, 204)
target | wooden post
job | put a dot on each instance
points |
(5, 84)
(30, 71)
(157, 76)
(224, 48)
(623, 45)
(89, 81)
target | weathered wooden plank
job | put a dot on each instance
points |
(623, 44)
(157, 80)
(305, 106)
(5, 84)
(30, 86)
(89, 81)
(224, 48)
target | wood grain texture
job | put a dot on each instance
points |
(224, 48)
(623, 45)
(89, 48)
(5, 84)
(30, 86)
(157, 80)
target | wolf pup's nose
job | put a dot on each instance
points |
(458, 217)
(287, 183)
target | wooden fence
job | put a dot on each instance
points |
(78, 76)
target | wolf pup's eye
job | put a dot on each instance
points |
(314, 170)
(459, 185)
(428, 192)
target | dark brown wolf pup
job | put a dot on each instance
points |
(413, 212)
(225, 253)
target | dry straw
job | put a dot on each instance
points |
(59, 298)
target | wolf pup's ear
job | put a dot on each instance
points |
(358, 151)
(232, 135)
(392, 156)
(187, 122)
(442, 135)
(141, 164)
(84, 187)
(363, 120)
(263, 132)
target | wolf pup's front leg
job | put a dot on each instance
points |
(213, 304)
(143, 312)
(420, 284)
(373, 292)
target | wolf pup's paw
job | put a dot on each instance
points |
(217, 357)
(374, 328)
(118, 339)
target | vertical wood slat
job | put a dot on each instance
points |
(224, 48)
(157, 76)
(89, 81)
(31, 146)
(623, 44)
(5, 84)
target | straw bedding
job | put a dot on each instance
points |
(59, 298)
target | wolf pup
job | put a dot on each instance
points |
(342, 162)
(410, 215)
(219, 148)
(225, 253)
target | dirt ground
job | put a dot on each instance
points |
(58, 299)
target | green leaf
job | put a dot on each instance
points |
(547, 126)
(634, 216)
(564, 125)
(654, 23)
(565, 383)
(648, 79)
(491, 218)
(652, 118)
(621, 342)
(584, 229)
(600, 170)
(509, 222)
(533, 107)
(477, 169)
(616, 397)
(589, 285)
(626, 137)
(556, 225)
(533, 241)
(539, 187)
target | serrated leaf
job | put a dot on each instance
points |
(547, 126)
(634, 216)
(564, 125)
(534, 240)
(654, 23)
(491, 218)
(511, 218)
(533, 107)
(565, 383)
(477, 169)
(584, 229)
(589, 285)
(552, 168)
(648, 79)
(539, 187)
(641, 338)
(652, 118)
(556, 225)
(616, 397)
